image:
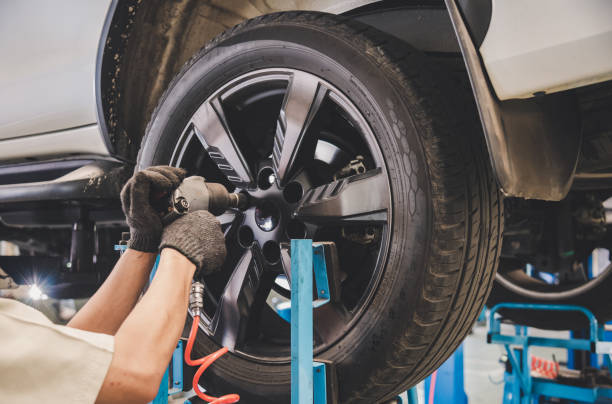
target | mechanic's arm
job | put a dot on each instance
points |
(147, 338)
(111, 304)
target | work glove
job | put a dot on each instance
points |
(136, 196)
(198, 236)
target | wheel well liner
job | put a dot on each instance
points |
(534, 144)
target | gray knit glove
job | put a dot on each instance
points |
(145, 223)
(198, 236)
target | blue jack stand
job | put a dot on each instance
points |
(308, 378)
(521, 387)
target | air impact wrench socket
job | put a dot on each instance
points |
(219, 200)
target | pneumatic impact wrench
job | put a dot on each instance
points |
(193, 194)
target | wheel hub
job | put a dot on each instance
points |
(268, 221)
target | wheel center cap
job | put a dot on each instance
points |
(267, 215)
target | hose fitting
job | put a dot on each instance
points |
(196, 298)
(196, 304)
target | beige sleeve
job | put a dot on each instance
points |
(47, 363)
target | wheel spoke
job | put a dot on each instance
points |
(257, 308)
(231, 319)
(286, 261)
(228, 220)
(359, 198)
(210, 126)
(302, 101)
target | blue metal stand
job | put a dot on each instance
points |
(521, 387)
(301, 322)
(308, 378)
(446, 384)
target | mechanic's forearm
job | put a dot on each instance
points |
(148, 336)
(111, 304)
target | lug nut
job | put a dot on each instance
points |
(265, 178)
(181, 204)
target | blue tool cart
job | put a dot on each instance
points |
(520, 386)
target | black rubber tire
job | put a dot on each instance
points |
(447, 210)
(597, 299)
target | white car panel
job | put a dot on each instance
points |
(82, 140)
(47, 67)
(547, 45)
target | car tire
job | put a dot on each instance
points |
(446, 210)
(513, 285)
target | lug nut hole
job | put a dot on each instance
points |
(245, 236)
(265, 178)
(293, 192)
(267, 216)
(271, 251)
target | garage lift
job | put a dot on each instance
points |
(588, 385)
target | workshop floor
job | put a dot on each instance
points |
(483, 371)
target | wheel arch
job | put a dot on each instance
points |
(145, 44)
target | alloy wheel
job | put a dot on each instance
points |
(312, 168)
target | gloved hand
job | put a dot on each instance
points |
(145, 224)
(198, 236)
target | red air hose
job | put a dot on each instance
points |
(204, 363)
